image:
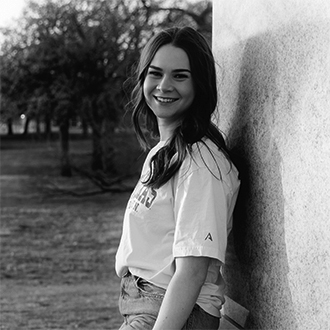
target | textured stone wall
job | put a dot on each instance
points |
(274, 84)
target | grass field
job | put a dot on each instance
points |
(57, 250)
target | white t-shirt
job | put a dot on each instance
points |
(191, 215)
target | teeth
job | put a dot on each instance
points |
(164, 100)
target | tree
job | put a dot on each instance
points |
(70, 59)
(10, 61)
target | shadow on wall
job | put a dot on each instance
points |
(257, 265)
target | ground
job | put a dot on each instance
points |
(57, 250)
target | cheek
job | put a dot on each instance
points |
(189, 90)
(146, 93)
(146, 89)
(190, 94)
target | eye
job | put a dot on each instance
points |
(154, 73)
(181, 76)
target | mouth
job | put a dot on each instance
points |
(165, 99)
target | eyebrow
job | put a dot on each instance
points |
(176, 70)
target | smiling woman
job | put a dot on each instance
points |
(168, 88)
(179, 215)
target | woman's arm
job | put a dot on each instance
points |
(182, 292)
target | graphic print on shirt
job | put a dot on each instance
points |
(143, 196)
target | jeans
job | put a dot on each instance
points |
(140, 301)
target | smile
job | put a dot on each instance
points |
(165, 99)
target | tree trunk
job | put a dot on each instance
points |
(64, 140)
(26, 126)
(10, 126)
(108, 150)
(38, 130)
(84, 125)
(103, 150)
(48, 128)
(97, 164)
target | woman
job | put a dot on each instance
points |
(180, 213)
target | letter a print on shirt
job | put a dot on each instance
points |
(209, 236)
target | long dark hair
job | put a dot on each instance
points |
(196, 122)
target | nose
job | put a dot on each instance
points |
(165, 85)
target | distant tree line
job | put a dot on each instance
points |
(68, 60)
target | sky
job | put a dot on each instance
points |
(10, 9)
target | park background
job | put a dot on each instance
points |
(69, 157)
(59, 233)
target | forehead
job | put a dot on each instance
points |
(170, 57)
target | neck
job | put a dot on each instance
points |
(166, 130)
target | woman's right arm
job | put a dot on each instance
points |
(182, 292)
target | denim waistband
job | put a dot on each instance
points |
(140, 299)
(139, 296)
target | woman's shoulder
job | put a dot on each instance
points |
(208, 161)
(206, 154)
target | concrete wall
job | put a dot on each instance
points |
(274, 84)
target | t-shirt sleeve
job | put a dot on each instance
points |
(200, 211)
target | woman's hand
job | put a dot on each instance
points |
(182, 292)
